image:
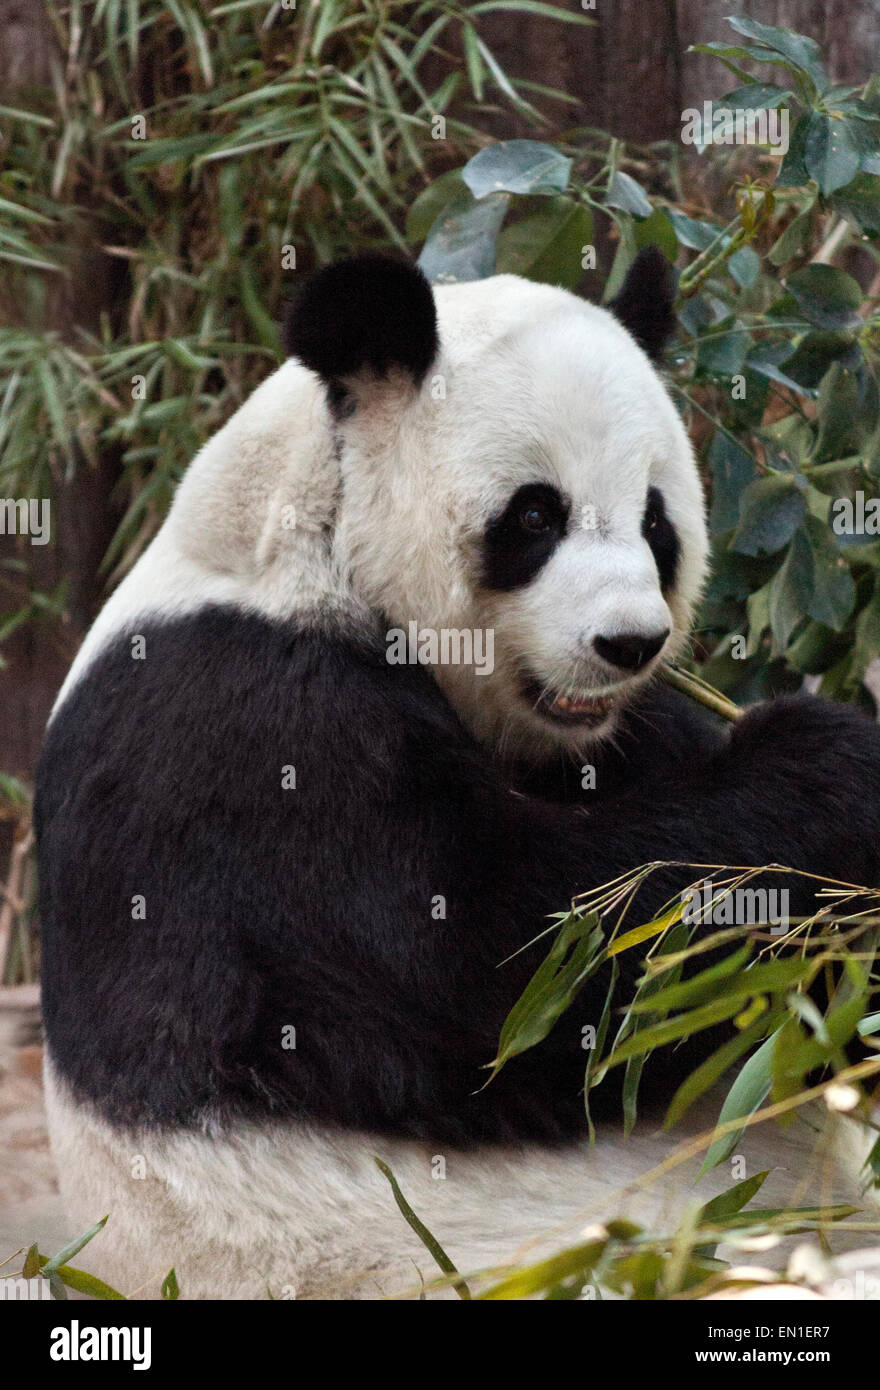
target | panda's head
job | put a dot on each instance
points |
(512, 469)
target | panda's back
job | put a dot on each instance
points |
(246, 826)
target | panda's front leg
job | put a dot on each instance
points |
(796, 783)
(801, 777)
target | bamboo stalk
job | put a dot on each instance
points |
(702, 693)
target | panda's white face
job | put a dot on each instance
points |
(538, 492)
(534, 492)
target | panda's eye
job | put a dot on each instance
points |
(520, 539)
(662, 537)
(535, 518)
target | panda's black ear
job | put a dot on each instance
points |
(646, 302)
(369, 312)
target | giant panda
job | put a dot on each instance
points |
(290, 886)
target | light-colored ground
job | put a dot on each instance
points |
(30, 1208)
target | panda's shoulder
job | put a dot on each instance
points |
(175, 702)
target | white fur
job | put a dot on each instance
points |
(298, 1210)
(538, 387)
(226, 537)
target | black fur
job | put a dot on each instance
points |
(646, 302)
(368, 312)
(514, 553)
(662, 537)
(312, 906)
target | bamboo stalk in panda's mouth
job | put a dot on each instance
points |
(702, 693)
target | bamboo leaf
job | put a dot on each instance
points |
(703, 1077)
(54, 1264)
(573, 958)
(430, 1242)
(729, 1203)
(748, 1092)
(524, 1283)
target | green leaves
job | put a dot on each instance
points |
(552, 228)
(867, 633)
(464, 241)
(704, 999)
(826, 296)
(16, 220)
(813, 581)
(793, 240)
(657, 230)
(573, 958)
(729, 1203)
(626, 1260)
(61, 1276)
(461, 243)
(770, 511)
(802, 55)
(811, 592)
(756, 96)
(576, 1263)
(831, 152)
(848, 410)
(517, 166)
(699, 236)
(548, 244)
(670, 1030)
(628, 195)
(73, 1248)
(429, 1241)
(429, 204)
(732, 471)
(727, 53)
(831, 149)
(775, 1016)
(833, 138)
(859, 203)
(748, 1092)
(716, 1065)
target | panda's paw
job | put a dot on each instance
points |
(805, 774)
(808, 731)
(813, 738)
(791, 719)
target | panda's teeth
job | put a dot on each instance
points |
(599, 705)
(570, 708)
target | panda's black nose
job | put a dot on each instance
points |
(630, 650)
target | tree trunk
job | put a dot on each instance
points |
(631, 72)
(37, 655)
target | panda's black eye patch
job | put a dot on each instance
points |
(662, 537)
(520, 540)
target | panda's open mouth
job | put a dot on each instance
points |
(586, 710)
